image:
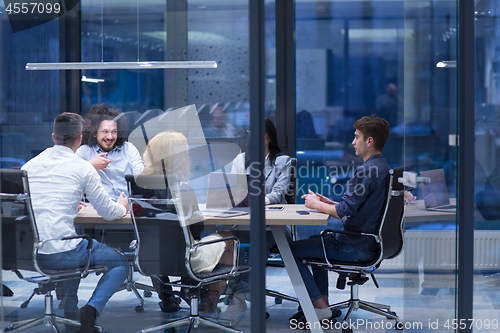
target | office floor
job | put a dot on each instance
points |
(421, 301)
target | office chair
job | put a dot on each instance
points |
(390, 240)
(164, 246)
(15, 189)
(290, 196)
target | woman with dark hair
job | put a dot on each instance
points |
(277, 167)
(277, 170)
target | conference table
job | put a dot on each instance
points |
(18, 254)
(277, 220)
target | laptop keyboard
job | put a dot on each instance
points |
(444, 208)
(447, 207)
(226, 212)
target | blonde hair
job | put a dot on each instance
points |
(168, 153)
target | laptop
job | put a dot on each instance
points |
(227, 195)
(436, 192)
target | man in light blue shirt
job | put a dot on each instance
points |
(106, 148)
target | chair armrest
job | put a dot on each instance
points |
(223, 239)
(326, 232)
(234, 267)
(40, 244)
(87, 237)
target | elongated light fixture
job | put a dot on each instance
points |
(43, 66)
(447, 64)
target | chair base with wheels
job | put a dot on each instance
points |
(48, 318)
(354, 303)
(193, 320)
(131, 285)
(120, 240)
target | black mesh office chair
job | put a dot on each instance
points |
(292, 187)
(15, 190)
(390, 240)
(164, 246)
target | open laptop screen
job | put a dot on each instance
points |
(227, 190)
(436, 192)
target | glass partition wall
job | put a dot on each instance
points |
(352, 59)
(362, 58)
(429, 136)
(486, 194)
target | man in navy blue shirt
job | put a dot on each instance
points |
(360, 211)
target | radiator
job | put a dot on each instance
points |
(436, 249)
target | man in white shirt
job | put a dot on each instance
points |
(106, 148)
(57, 179)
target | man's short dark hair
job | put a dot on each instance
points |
(96, 115)
(375, 127)
(67, 128)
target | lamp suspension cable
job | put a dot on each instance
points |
(102, 31)
(138, 31)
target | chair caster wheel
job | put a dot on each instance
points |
(278, 300)
(336, 313)
(347, 330)
(267, 315)
(139, 308)
(8, 329)
(392, 313)
(400, 325)
(147, 293)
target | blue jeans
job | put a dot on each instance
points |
(102, 255)
(317, 282)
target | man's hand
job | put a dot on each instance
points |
(320, 203)
(312, 200)
(409, 197)
(325, 199)
(122, 200)
(99, 162)
(81, 205)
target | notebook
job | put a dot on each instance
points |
(227, 195)
(436, 192)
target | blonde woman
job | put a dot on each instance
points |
(168, 153)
